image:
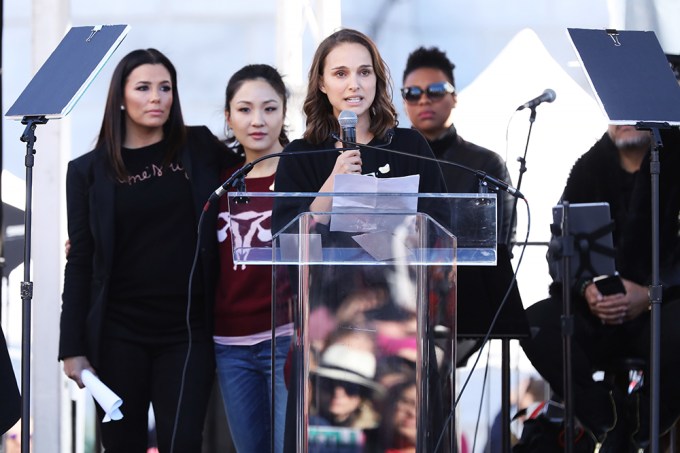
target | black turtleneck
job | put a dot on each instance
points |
(451, 147)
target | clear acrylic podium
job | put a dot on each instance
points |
(369, 294)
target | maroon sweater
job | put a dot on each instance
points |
(243, 295)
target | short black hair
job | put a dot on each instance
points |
(430, 58)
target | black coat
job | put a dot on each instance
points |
(308, 173)
(452, 147)
(597, 176)
(10, 408)
(90, 189)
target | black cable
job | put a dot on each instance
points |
(242, 172)
(488, 333)
(481, 400)
(482, 175)
(189, 334)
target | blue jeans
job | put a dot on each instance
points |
(244, 374)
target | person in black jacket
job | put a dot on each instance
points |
(10, 410)
(611, 327)
(348, 74)
(429, 96)
(133, 207)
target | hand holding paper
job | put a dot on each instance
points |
(106, 398)
(368, 203)
(376, 217)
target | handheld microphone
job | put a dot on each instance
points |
(348, 123)
(547, 96)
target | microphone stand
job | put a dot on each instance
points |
(506, 441)
(522, 169)
(567, 320)
(237, 179)
(505, 342)
(484, 178)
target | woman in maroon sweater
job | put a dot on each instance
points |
(255, 110)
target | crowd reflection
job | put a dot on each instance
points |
(363, 364)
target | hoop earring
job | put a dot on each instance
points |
(228, 133)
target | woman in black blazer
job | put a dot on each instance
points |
(133, 207)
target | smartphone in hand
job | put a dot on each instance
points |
(609, 284)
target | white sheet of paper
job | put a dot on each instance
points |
(358, 222)
(381, 246)
(290, 251)
(106, 398)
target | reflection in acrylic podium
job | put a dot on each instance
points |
(371, 294)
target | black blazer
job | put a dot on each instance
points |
(90, 189)
(10, 408)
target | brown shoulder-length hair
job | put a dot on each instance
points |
(112, 133)
(320, 119)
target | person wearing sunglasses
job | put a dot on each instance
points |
(346, 391)
(429, 96)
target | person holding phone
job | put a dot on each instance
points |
(611, 315)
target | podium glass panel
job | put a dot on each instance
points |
(370, 294)
(471, 218)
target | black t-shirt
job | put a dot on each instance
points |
(153, 253)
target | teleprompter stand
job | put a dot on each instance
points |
(634, 85)
(51, 94)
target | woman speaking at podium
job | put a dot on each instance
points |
(348, 74)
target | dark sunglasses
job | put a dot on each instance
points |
(434, 92)
(328, 385)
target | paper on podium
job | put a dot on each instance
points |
(356, 205)
(106, 398)
(384, 245)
